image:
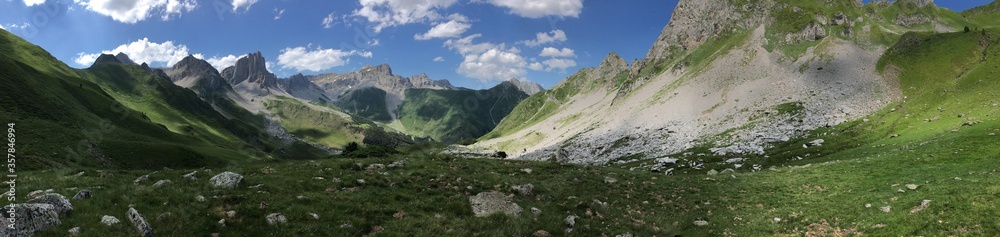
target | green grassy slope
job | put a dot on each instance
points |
(453, 115)
(64, 120)
(368, 103)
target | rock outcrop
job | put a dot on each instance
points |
(340, 86)
(105, 58)
(226, 180)
(488, 203)
(31, 218)
(250, 69)
(525, 86)
(123, 58)
(192, 72)
(140, 223)
(694, 21)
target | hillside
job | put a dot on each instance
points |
(452, 115)
(734, 83)
(69, 121)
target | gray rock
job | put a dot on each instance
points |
(31, 218)
(488, 203)
(37, 193)
(923, 205)
(603, 205)
(526, 170)
(690, 24)
(839, 19)
(60, 202)
(83, 194)
(79, 174)
(536, 211)
(161, 183)
(139, 222)
(199, 198)
(713, 172)
(109, 220)
(524, 189)
(221, 223)
(314, 216)
(911, 20)
(375, 167)
(75, 231)
(276, 218)
(398, 164)
(727, 171)
(226, 180)
(570, 221)
(817, 142)
(610, 180)
(192, 176)
(700, 223)
(231, 214)
(886, 209)
(141, 179)
(625, 235)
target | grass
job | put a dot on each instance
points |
(453, 115)
(323, 127)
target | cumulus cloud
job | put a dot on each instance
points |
(138, 10)
(223, 62)
(439, 59)
(537, 66)
(450, 29)
(389, 13)
(560, 64)
(541, 8)
(142, 51)
(33, 2)
(303, 59)
(244, 4)
(488, 61)
(553, 52)
(1, 27)
(547, 37)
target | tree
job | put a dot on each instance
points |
(351, 147)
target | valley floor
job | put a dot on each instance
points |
(872, 190)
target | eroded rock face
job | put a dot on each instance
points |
(489, 203)
(252, 69)
(694, 21)
(31, 218)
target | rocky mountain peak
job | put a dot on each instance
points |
(614, 61)
(195, 65)
(191, 71)
(694, 21)
(382, 69)
(919, 3)
(123, 58)
(525, 86)
(105, 58)
(252, 68)
(424, 81)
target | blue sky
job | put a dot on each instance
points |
(472, 43)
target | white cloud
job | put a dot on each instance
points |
(537, 66)
(373, 42)
(488, 61)
(138, 10)
(328, 21)
(223, 62)
(553, 52)
(439, 59)
(85, 59)
(388, 13)
(1, 27)
(142, 51)
(33, 2)
(558, 64)
(545, 38)
(12, 26)
(278, 13)
(245, 4)
(542, 8)
(302, 59)
(450, 29)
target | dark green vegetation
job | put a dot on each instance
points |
(64, 120)
(327, 127)
(453, 115)
(368, 103)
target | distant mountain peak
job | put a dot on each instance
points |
(105, 58)
(251, 68)
(123, 58)
(525, 86)
(383, 69)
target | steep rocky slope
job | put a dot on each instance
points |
(343, 87)
(731, 78)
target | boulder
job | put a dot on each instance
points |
(489, 203)
(700, 223)
(839, 19)
(141, 179)
(75, 231)
(397, 164)
(276, 218)
(83, 194)
(570, 221)
(109, 220)
(161, 183)
(226, 180)
(524, 189)
(192, 176)
(60, 202)
(139, 222)
(31, 218)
